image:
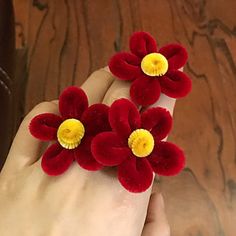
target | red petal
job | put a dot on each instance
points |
(84, 156)
(124, 117)
(109, 149)
(176, 55)
(145, 90)
(56, 160)
(157, 120)
(135, 174)
(44, 126)
(73, 102)
(175, 84)
(142, 43)
(125, 66)
(167, 159)
(95, 119)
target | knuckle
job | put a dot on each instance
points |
(100, 73)
(94, 74)
(116, 94)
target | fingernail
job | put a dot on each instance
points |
(106, 68)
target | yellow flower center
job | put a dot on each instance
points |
(154, 64)
(70, 133)
(141, 142)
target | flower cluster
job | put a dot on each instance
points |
(99, 136)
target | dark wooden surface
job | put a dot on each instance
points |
(7, 88)
(60, 42)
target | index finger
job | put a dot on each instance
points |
(97, 85)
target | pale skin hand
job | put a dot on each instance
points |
(78, 202)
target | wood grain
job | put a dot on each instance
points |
(66, 40)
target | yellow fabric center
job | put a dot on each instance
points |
(154, 64)
(141, 142)
(70, 133)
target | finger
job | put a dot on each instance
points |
(26, 149)
(97, 85)
(119, 89)
(156, 222)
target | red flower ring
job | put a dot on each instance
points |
(135, 146)
(152, 71)
(73, 131)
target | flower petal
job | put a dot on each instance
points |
(175, 84)
(176, 55)
(135, 174)
(44, 126)
(124, 117)
(95, 119)
(56, 160)
(125, 66)
(84, 155)
(142, 43)
(167, 159)
(73, 102)
(145, 90)
(157, 120)
(109, 149)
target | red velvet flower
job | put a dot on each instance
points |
(73, 131)
(134, 145)
(152, 71)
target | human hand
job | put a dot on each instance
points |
(78, 202)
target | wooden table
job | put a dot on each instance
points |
(60, 42)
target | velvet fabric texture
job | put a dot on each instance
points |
(73, 103)
(145, 90)
(111, 148)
